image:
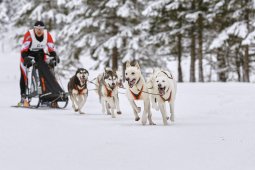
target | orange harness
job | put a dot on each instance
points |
(80, 90)
(137, 96)
(109, 92)
(169, 98)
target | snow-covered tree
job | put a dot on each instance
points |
(108, 31)
(4, 18)
(51, 13)
(235, 35)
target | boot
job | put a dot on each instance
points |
(23, 101)
(54, 105)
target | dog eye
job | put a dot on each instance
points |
(163, 81)
(157, 81)
(126, 73)
(133, 73)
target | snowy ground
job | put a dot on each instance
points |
(214, 130)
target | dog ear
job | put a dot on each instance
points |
(137, 65)
(128, 64)
(107, 69)
(77, 71)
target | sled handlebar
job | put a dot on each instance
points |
(49, 60)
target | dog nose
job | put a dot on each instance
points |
(127, 79)
(113, 84)
(159, 85)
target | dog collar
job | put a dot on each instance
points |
(171, 77)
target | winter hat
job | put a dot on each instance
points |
(39, 24)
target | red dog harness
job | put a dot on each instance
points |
(109, 92)
(80, 90)
(137, 96)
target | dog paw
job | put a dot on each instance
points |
(113, 116)
(144, 122)
(119, 112)
(137, 118)
(76, 110)
(167, 118)
(152, 123)
(172, 118)
(81, 112)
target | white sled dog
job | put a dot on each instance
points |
(77, 88)
(107, 89)
(136, 89)
(163, 86)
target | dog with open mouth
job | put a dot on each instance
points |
(77, 88)
(163, 88)
(136, 89)
(107, 89)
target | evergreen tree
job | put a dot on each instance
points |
(105, 30)
(4, 18)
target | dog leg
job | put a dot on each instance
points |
(112, 112)
(145, 112)
(116, 99)
(154, 102)
(74, 102)
(102, 104)
(107, 108)
(82, 101)
(150, 116)
(171, 111)
(162, 108)
(71, 97)
(112, 106)
(135, 109)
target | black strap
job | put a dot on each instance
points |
(171, 77)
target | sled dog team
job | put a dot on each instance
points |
(158, 90)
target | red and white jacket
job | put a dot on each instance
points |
(30, 43)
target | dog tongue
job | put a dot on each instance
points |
(83, 80)
(131, 83)
(161, 91)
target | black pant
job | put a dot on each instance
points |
(22, 84)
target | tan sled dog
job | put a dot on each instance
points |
(136, 89)
(163, 85)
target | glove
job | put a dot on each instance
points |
(27, 62)
(56, 58)
(53, 62)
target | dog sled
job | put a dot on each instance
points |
(42, 88)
